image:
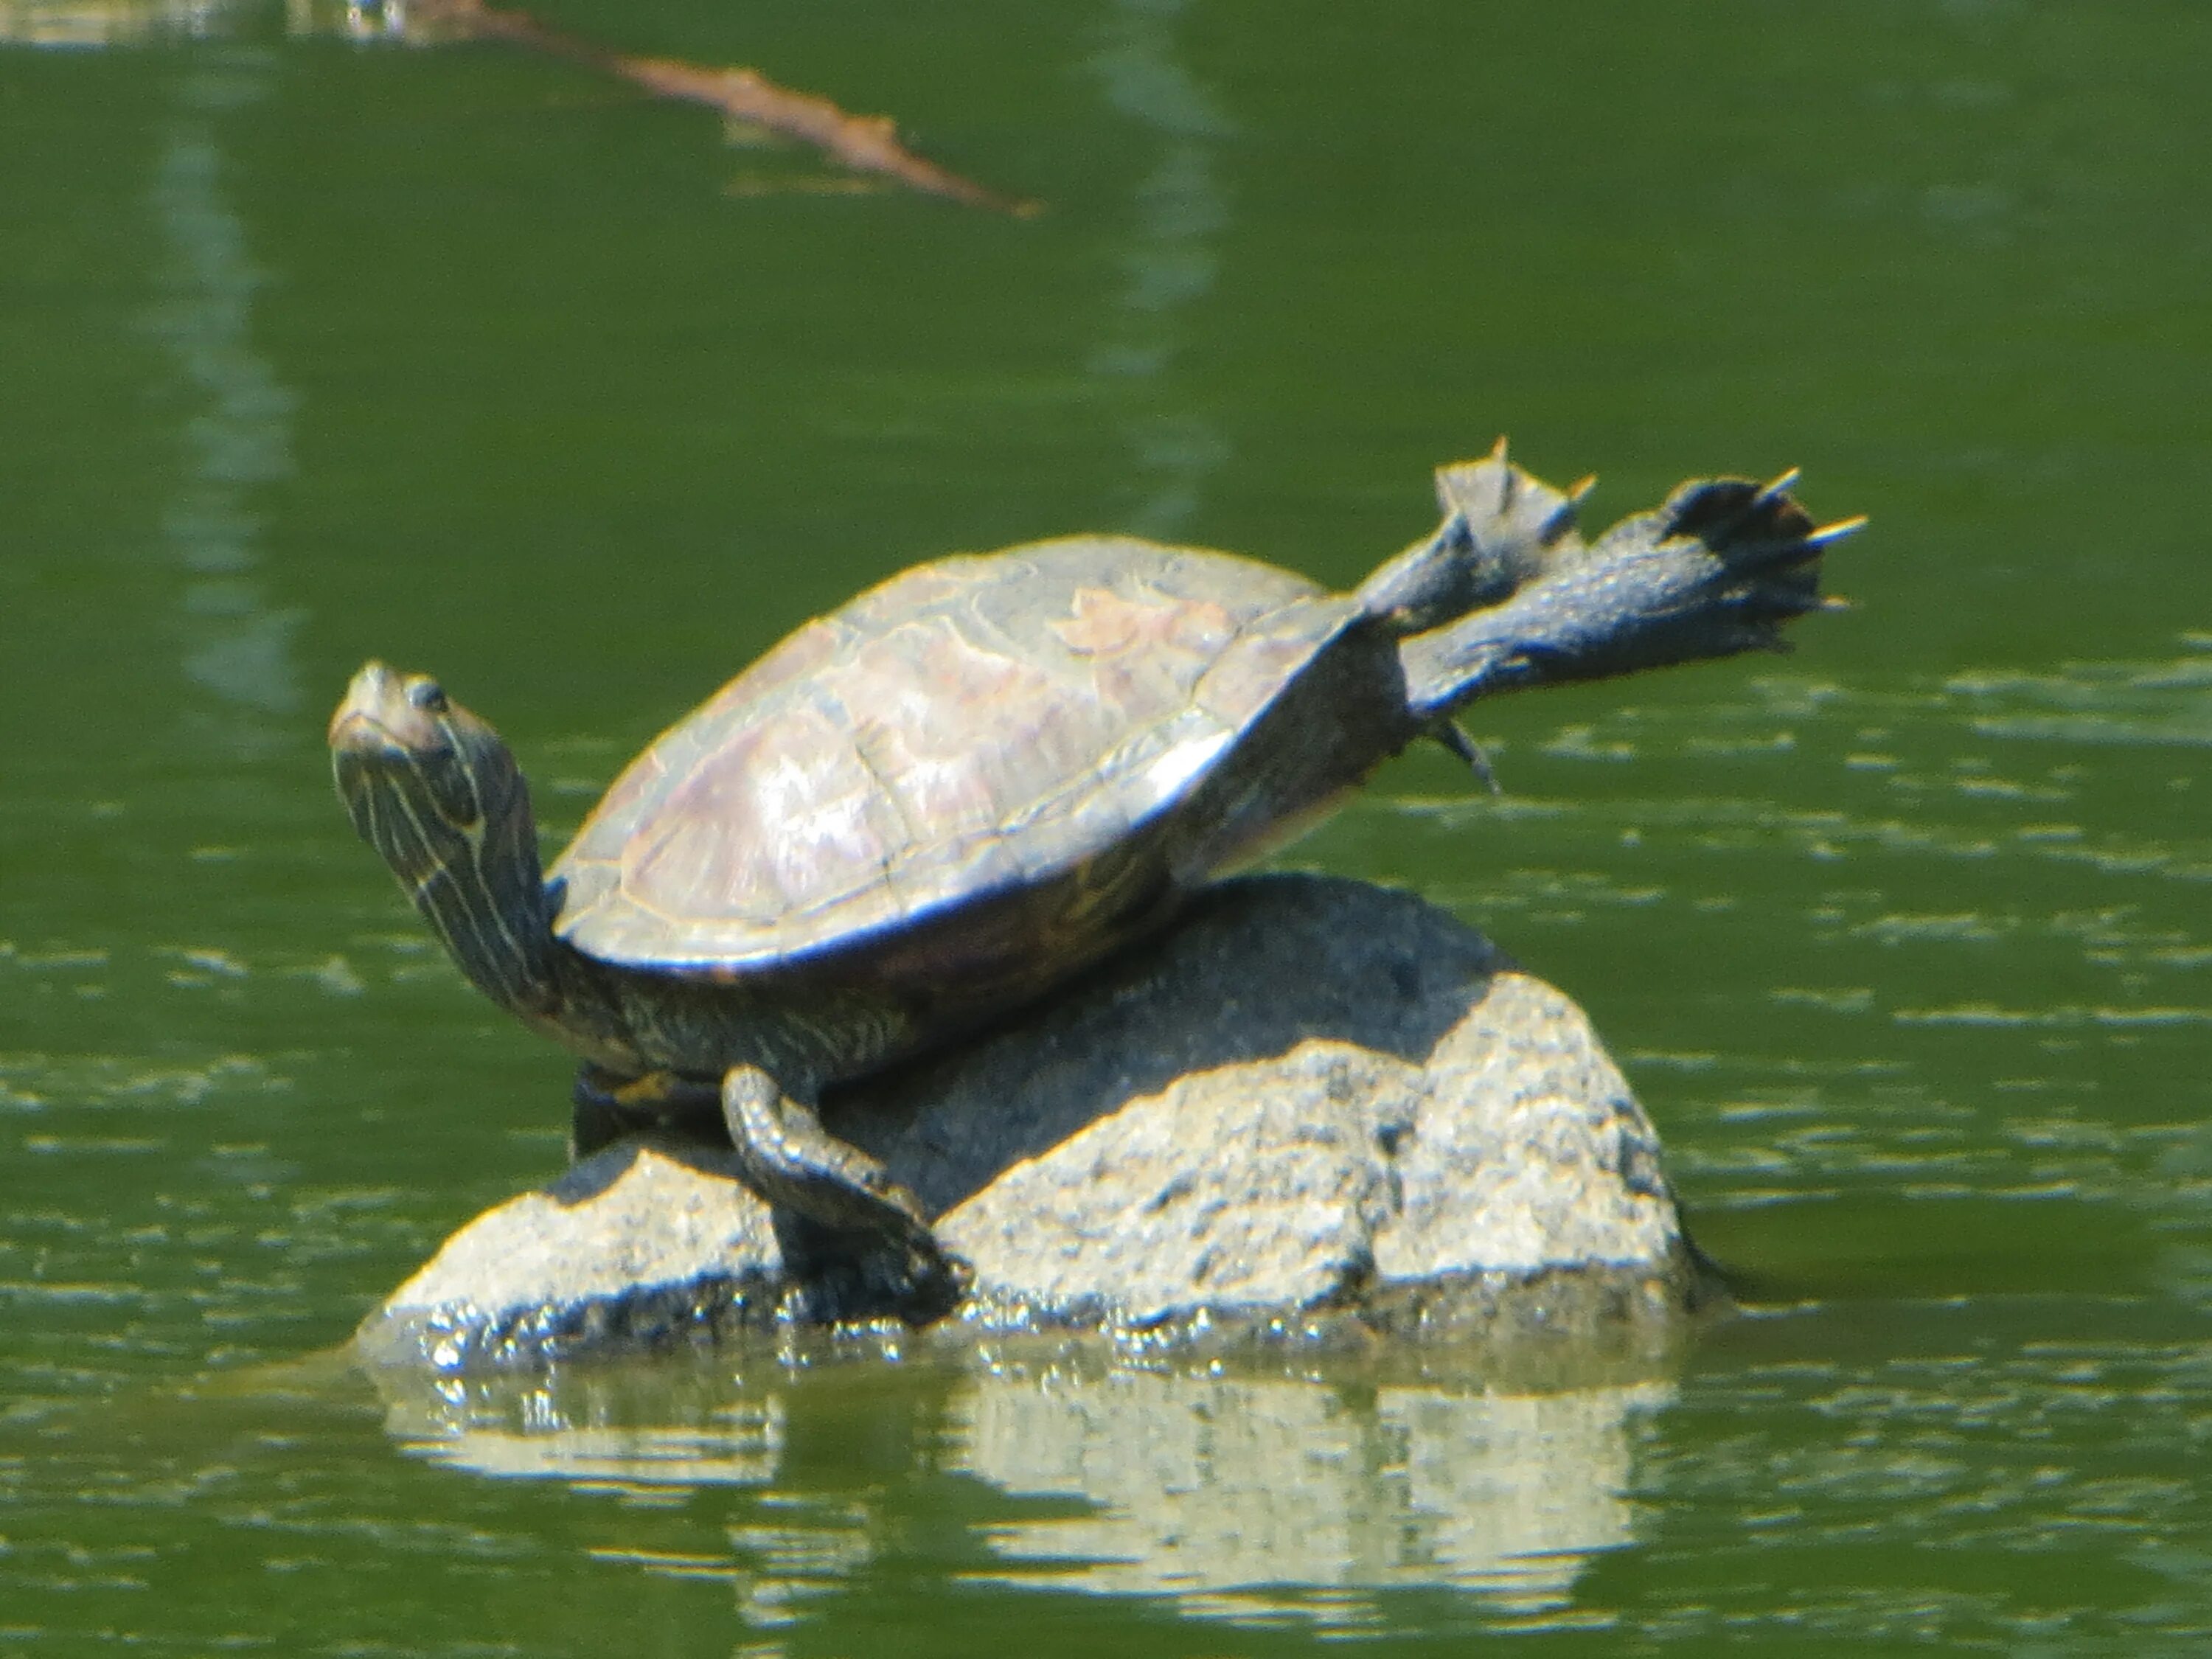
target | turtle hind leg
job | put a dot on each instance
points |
(1720, 568)
(860, 1239)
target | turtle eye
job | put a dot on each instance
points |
(428, 695)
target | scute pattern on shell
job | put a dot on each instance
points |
(974, 724)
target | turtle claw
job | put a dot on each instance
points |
(1828, 534)
(1779, 487)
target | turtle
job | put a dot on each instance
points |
(974, 781)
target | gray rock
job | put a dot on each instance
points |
(649, 1245)
(1315, 1101)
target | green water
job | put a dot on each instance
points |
(312, 349)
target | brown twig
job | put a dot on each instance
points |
(867, 143)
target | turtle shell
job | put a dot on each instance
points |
(972, 727)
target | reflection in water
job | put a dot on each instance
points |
(1244, 1499)
(237, 427)
(1170, 261)
(542, 1433)
(1255, 1498)
(653, 1439)
(107, 22)
(81, 23)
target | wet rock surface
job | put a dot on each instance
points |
(1315, 1102)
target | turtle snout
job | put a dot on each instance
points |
(387, 708)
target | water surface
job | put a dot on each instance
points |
(319, 346)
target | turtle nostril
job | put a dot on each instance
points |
(427, 694)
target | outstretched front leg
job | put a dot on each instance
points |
(837, 1190)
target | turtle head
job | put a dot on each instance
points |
(435, 790)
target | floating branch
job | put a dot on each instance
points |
(865, 144)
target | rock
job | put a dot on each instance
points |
(1313, 1100)
(650, 1244)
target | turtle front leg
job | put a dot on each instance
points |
(801, 1169)
(605, 1106)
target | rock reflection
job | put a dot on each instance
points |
(82, 23)
(77, 24)
(595, 1433)
(1257, 1499)
(1253, 1500)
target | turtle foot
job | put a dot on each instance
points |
(839, 1275)
(1745, 557)
(849, 1230)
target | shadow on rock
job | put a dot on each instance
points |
(1253, 970)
